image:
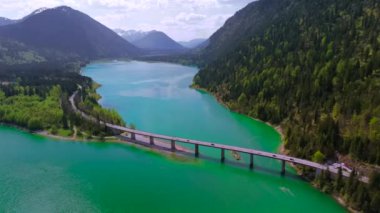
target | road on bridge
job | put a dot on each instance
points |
(251, 152)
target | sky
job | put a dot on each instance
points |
(181, 19)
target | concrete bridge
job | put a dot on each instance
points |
(223, 148)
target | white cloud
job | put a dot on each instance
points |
(182, 19)
(190, 18)
(234, 1)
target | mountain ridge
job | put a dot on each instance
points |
(157, 40)
(6, 21)
(153, 42)
(313, 68)
(193, 43)
(131, 35)
(238, 28)
(68, 31)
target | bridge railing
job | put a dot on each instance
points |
(197, 143)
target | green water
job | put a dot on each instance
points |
(44, 175)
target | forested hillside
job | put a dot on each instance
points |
(238, 29)
(313, 67)
(16, 53)
(40, 59)
(316, 68)
(37, 99)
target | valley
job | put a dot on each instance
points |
(119, 177)
(310, 68)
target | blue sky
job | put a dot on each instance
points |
(181, 19)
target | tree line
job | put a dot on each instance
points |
(315, 70)
(38, 99)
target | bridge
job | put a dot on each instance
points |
(223, 148)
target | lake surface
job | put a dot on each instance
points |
(45, 175)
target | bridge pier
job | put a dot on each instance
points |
(222, 157)
(116, 132)
(318, 172)
(283, 167)
(133, 136)
(173, 145)
(196, 150)
(151, 140)
(129, 135)
(251, 161)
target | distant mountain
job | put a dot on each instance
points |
(6, 21)
(152, 42)
(131, 35)
(156, 40)
(68, 32)
(192, 43)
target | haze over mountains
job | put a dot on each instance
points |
(154, 42)
(131, 35)
(157, 40)
(192, 43)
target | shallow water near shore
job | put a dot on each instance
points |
(38, 174)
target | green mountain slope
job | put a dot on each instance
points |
(15, 53)
(315, 67)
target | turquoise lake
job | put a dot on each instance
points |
(38, 174)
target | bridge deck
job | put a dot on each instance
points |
(218, 146)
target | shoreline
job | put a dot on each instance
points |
(160, 146)
(278, 128)
(281, 149)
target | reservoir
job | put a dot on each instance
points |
(40, 174)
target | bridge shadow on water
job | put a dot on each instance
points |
(190, 153)
(245, 166)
